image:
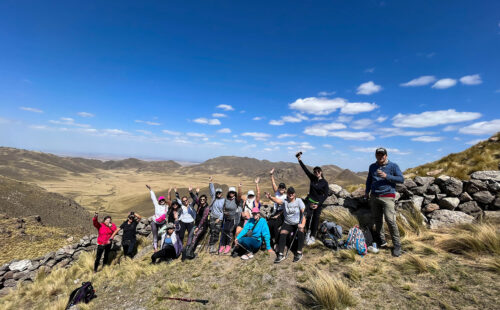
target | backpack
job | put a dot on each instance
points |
(356, 240)
(84, 293)
(331, 235)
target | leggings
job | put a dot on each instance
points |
(214, 231)
(167, 252)
(128, 247)
(227, 232)
(274, 229)
(100, 249)
(154, 229)
(283, 237)
(312, 218)
(182, 230)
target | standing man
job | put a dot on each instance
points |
(381, 182)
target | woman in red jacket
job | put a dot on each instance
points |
(105, 231)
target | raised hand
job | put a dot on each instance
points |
(169, 190)
(175, 189)
(268, 196)
(197, 190)
(149, 187)
(257, 180)
(190, 188)
(240, 185)
(210, 179)
(271, 172)
(298, 155)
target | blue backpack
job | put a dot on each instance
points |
(356, 240)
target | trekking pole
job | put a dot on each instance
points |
(291, 244)
(202, 301)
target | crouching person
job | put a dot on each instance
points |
(171, 246)
(250, 238)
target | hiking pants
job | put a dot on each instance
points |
(250, 244)
(154, 230)
(182, 229)
(384, 207)
(195, 238)
(274, 229)
(227, 232)
(128, 247)
(100, 249)
(214, 230)
(312, 218)
(291, 229)
(167, 252)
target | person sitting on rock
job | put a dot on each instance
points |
(171, 246)
(276, 219)
(251, 236)
(381, 183)
(249, 202)
(161, 209)
(129, 228)
(105, 230)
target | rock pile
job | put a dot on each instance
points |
(443, 201)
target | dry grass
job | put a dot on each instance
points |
(341, 217)
(483, 156)
(414, 264)
(328, 292)
(473, 240)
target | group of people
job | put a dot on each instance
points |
(234, 220)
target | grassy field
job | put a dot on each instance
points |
(448, 269)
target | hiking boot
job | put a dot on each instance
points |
(279, 258)
(297, 257)
(396, 251)
(227, 249)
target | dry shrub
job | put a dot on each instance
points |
(328, 292)
(415, 264)
(473, 239)
(341, 217)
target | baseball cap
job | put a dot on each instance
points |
(218, 190)
(232, 189)
(381, 150)
(250, 193)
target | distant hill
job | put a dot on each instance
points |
(484, 155)
(19, 199)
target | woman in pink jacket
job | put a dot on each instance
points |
(105, 231)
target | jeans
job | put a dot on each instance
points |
(214, 230)
(100, 249)
(128, 247)
(154, 230)
(227, 232)
(182, 230)
(384, 207)
(250, 244)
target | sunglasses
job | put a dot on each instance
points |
(184, 200)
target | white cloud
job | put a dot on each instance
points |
(326, 93)
(358, 107)
(427, 139)
(218, 115)
(257, 135)
(85, 114)
(146, 132)
(170, 132)
(350, 135)
(482, 128)
(91, 130)
(276, 122)
(392, 132)
(381, 119)
(224, 130)
(207, 121)
(372, 150)
(225, 107)
(297, 118)
(68, 121)
(450, 128)
(368, 88)
(474, 79)
(34, 110)
(294, 145)
(258, 118)
(322, 130)
(286, 135)
(328, 146)
(115, 132)
(472, 142)
(433, 118)
(147, 122)
(39, 127)
(420, 81)
(361, 123)
(317, 106)
(444, 83)
(344, 119)
(369, 70)
(196, 135)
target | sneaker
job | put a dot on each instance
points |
(227, 249)
(373, 250)
(244, 257)
(297, 257)
(310, 241)
(383, 244)
(279, 258)
(221, 249)
(212, 249)
(396, 251)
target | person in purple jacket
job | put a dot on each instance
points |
(381, 189)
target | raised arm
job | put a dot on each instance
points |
(194, 197)
(273, 182)
(240, 193)
(311, 176)
(257, 190)
(95, 221)
(212, 188)
(274, 199)
(153, 196)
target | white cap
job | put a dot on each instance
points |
(232, 189)
(250, 193)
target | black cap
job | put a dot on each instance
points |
(381, 150)
(282, 185)
(290, 190)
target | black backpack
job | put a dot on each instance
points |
(84, 293)
(331, 234)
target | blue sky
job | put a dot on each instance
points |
(194, 80)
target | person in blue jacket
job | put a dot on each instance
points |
(254, 232)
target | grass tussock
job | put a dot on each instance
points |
(473, 239)
(347, 255)
(417, 265)
(494, 265)
(341, 217)
(328, 292)
(482, 156)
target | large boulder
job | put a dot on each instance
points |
(344, 193)
(335, 188)
(474, 186)
(449, 203)
(447, 218)
(431, 207)
(419, 190)
(433, 189)
(494, 187)
(495, 205)
(422, 181)
(451, 186)
(408, 183)
(358, 193)
(20, 265)
(471, 208)
(492, 175)
(483, 197)
(330, 201)
(465, 197)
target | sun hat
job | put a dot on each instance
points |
(255, 210)
(232, 189)
(250, 193)
(218, 190)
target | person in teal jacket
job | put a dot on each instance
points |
(250, 238)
